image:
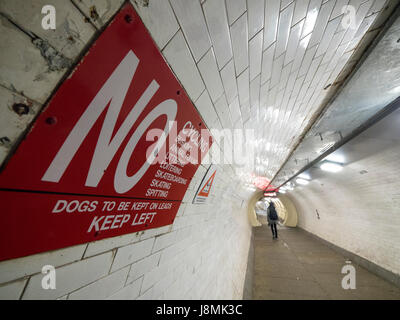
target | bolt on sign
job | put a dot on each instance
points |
(203, 193)
(113, 153)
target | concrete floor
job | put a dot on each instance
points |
(297, 266)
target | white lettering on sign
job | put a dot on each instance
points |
(114, 90)
(143, 218)
(84, 206)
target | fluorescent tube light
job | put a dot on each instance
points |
(331, 166)
(302, 181)
(305, 176)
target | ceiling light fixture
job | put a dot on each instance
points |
(302, 181)
(304, 176)
(335, 157)
(331, 166)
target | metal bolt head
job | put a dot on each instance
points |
(20, 109)
(51, 120)
(128, 18)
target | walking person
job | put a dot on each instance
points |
(273, 220)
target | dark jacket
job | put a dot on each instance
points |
(272, 214)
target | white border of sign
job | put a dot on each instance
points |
(199, 199)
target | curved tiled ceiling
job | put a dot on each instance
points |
(262, 64)
(374, 85)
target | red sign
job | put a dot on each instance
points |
(270, 194)
(261, 182)
(205, 191)
(205, 186)
(113, 152)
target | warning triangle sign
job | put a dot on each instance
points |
(205, 191)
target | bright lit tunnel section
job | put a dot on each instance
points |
(258, 205)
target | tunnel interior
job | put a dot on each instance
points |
(142, 141)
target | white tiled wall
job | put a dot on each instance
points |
(248, 64)
(358, 207)
(215, 13)
(202, 41)
(174, 262)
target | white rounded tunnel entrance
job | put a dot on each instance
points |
(286, 210)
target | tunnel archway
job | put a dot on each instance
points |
(286, 210)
